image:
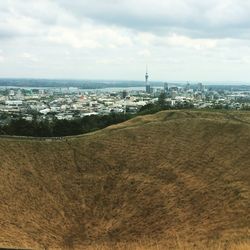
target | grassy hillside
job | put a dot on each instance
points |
(169, 177)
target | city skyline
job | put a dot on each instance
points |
(185, 40)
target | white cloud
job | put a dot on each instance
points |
(73, 38)
(144, 53)
(29, 57)
(89, 36)
(2, 58)
(225, 18)
(198, 44)
(88, 39)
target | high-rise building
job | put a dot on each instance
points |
(201, 87)
(166, 87)
(124, 94)
(148, 90)
(188, 86)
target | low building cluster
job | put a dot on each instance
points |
(69, 103)
(72, 103)
(201, 97)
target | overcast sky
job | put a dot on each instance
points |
(192, 40)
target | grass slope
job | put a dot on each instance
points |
(172, 175)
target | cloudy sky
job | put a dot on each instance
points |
(114, 39)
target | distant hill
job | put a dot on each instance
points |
(65, 83)
(105, 84)
(182, 174)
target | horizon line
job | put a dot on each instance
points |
(223, 82)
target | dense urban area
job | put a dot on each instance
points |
(58, 111)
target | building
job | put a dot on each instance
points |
(188, 86)
(124, 94)
(166, 87)
(13, 103)
(201, 87)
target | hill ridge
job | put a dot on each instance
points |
(155, 176)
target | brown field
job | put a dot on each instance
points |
(173, 180)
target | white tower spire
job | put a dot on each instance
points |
(147, 82)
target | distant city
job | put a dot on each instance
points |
(67, 100)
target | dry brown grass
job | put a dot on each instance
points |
(152, 245)
(174, 246)
(154, 177)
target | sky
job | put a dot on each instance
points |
(186, 40)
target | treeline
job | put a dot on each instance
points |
(162, 104)
(57, 128)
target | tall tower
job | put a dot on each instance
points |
(147, 82)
